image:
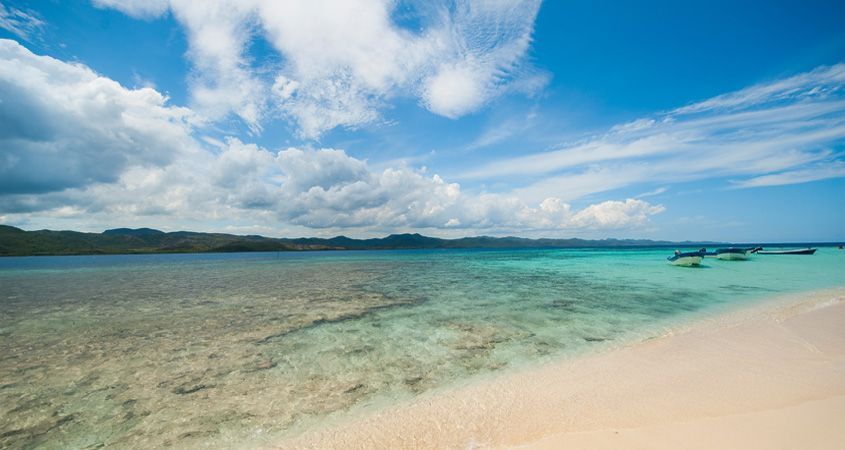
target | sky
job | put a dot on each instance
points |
(699, 120)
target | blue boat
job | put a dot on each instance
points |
(791, 251)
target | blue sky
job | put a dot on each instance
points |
(666, 120)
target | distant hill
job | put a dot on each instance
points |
(17, 242)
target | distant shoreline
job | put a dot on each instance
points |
(126, 241)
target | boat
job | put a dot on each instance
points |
(687, 259)
(788, 251)
(735, 253)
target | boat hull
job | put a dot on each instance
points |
(732, 256)
(803, 251)
(687, 261)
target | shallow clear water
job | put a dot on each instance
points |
(210, 350)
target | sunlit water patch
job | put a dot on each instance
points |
(212, 350)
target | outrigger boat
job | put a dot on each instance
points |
(735, 253)
(687, 259)
(788, 251)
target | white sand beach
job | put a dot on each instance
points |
(769, 376)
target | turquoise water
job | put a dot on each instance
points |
(209, 350)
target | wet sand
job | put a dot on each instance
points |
(771, 376)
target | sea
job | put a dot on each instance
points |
(244, 349)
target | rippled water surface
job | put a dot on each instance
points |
(217, 349)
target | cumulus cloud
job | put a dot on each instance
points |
(317, 189)
(341, 61)
(222, 80)
(63, 126)
(615, 214)
(455, 90)
(78, 145)
(347, 194)
(326, 188)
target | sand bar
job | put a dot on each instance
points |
(770, 376)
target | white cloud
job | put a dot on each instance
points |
(64, 126)
(327, 188)
(772, 128)
(615, 214)
(503, 129)
(222, 80)
(818, 83)
(487, 40)
(833, 170)
(343, 60)
(80, 147)
(140, 9)
(657, 191)
(455, 90)
(22, 23)
(317, 189)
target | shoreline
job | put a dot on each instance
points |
(737, 373)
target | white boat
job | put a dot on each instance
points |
(735, 253)
(687, 259)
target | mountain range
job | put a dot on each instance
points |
(17, 242)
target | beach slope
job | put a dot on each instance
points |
(771, 376)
